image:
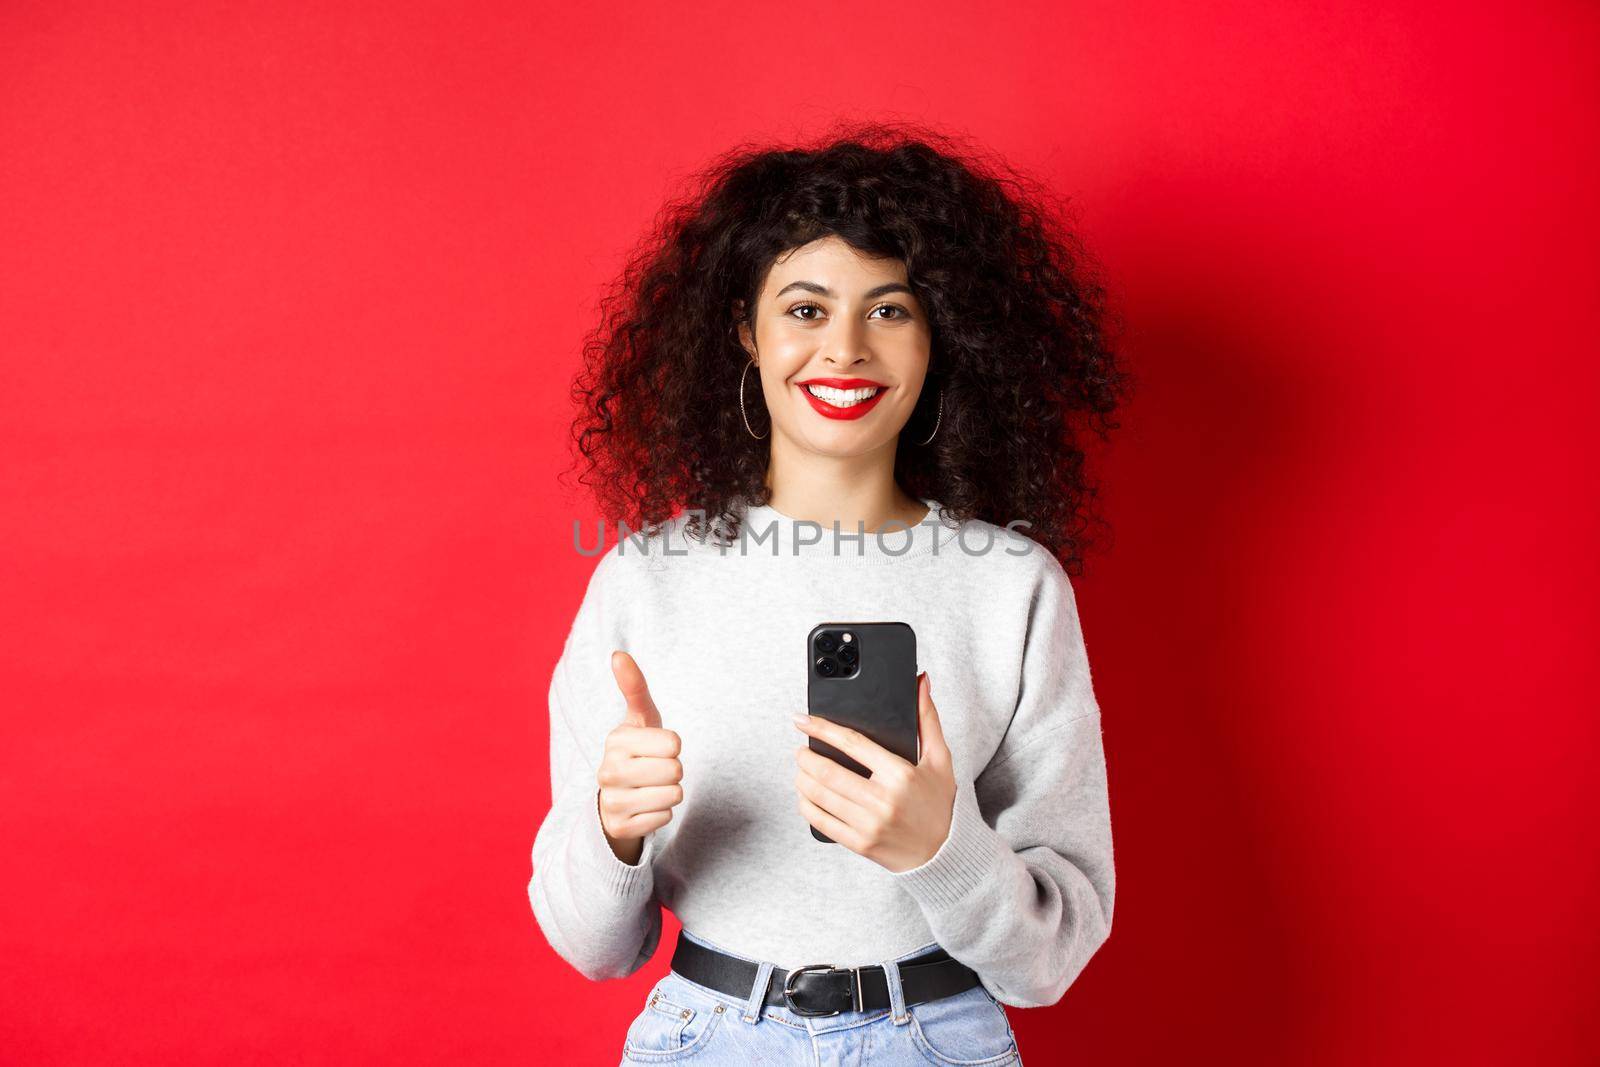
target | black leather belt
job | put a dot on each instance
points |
(821, 988)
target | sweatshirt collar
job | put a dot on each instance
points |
(762, 526)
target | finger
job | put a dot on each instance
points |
(646, 798)
(828, 824)
(647, 770)
(830, 801)
(647, 740)
(841, 780)
(852, 743)
(642, 710)
(930, 732)
(639, 825)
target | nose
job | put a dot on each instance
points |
(844, 346)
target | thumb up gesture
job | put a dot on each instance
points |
(639, 775)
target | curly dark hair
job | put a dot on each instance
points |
(1019, 340)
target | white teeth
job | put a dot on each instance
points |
(843, 398)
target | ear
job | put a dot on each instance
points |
(746, 337)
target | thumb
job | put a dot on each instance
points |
(929, 731)
(642, 709)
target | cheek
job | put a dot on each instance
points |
(916, 365)
(909, 361)
(775, 387)
(790, 356)
(778, 367)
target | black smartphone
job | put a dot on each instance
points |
(864, 675)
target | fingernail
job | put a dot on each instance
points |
(800, 720)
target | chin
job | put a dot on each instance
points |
(843, 442)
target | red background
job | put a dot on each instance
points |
(289, 300)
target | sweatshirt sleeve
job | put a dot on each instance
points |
(597, 912)
(1022, 888)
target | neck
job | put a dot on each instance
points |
(849, 490)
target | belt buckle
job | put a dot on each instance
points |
(789, 990)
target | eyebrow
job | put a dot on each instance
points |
(823, 290)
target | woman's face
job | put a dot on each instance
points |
(842, 346)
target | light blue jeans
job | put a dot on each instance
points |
(684, 1021)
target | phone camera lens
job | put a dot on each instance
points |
(826, 642)
(847, 655)
(826, 667)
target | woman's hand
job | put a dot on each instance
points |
(639, 774)
(897, 818)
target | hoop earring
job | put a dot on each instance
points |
(742, 376)
(937, 418)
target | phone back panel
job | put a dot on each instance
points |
(880, 699)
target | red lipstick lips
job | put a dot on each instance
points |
(854, 411)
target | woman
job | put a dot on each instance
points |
(862, 370)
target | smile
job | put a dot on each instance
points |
(842, 398)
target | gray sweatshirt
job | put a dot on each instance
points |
(1022, 888)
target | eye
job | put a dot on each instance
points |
(899, 312)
